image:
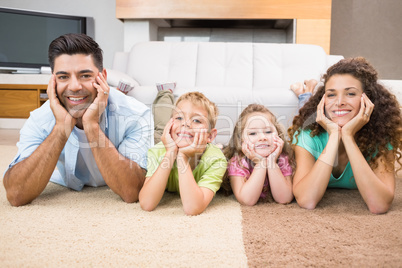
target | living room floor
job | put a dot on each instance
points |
(9, 136)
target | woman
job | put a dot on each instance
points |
(348, 135)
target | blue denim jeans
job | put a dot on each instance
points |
(303, 98)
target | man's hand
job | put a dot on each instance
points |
(62, 116)
(95, 110)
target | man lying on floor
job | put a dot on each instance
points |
(95, 136)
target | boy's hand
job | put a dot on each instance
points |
(198, 146)
(62, 116)
(95, 109)
(278, 145)
(167, 139)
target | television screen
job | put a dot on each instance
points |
(25, 36)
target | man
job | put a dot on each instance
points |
(95, 135)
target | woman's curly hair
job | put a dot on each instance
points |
(235, 144)
(385, 125)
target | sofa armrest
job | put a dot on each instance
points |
(395, 86)
(114, 76)
(332, 59)
(120, 61)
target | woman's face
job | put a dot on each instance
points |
(259, 130)
(342, 98)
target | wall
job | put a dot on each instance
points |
(109, 31)
(372, 29)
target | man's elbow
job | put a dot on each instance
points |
(15, 196)
(16, 199)
(130, 196)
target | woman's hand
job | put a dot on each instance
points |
(278, 143)
(330, 126)
(362, 118)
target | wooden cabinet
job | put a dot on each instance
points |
(18, 100)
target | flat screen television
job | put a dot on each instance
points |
(25, 37)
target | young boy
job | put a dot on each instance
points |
(185, 161)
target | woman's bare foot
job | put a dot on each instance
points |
(300, 88)
(297, 88)
(310, 85)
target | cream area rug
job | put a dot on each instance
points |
(95, 228)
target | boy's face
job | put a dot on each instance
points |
(189, 119)
(75, 78)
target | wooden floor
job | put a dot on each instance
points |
(9, 136)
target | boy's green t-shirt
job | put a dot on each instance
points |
(208, 173)
(316, 145)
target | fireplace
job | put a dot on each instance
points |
(267, 21)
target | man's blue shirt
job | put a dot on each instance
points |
(127, 123)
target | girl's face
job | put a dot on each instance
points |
(188, 119)
(259, 130)
(342, 98)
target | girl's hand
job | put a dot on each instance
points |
(362, 118)
(249, 151)
(198, 146)
(167, 139)
(278, 145)
(330, 126)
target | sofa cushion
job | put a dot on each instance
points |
(280, 65)
(155, 62)
(225, 65)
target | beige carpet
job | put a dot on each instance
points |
(94, 228)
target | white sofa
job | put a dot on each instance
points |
(232, 75)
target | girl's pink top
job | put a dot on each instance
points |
(245, 170)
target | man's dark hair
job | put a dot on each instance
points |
(72, 44)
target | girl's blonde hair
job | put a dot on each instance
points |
(235, 144)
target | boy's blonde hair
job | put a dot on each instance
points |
(199, 99)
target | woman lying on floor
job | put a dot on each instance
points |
(348, 135)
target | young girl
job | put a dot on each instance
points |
(260, 159)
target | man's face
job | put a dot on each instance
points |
(75, 78)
